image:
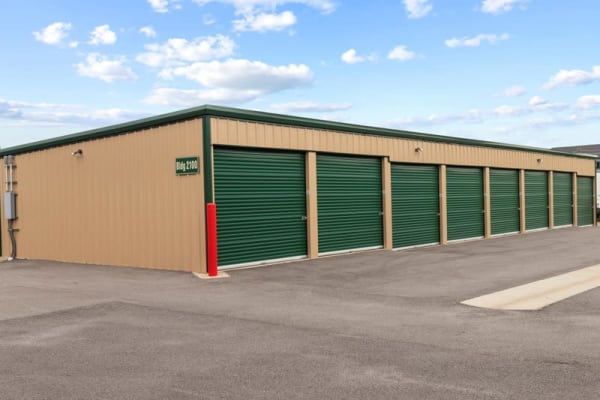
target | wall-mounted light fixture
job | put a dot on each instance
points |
(418, 149)
(77, 153)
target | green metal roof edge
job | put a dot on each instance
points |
(112, 130)
(264, 117)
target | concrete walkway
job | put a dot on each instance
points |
(539, 294)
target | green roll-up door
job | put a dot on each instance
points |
(261, 201)
(349, 202)
(536, 200)
(585, 200)
(464, 192)
(504, 200)
(415, 205)
(563, 198)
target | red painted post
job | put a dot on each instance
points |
(211, 238)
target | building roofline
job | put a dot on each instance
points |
(264, 117)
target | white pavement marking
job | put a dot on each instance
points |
(539, 294)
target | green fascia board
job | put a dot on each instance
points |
(262, 117)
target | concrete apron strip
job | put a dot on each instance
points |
(537, 295)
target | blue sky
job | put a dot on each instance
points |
(515, 71)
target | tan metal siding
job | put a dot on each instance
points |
(254, 134)
(118, 204)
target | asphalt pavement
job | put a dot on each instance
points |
(372, 325)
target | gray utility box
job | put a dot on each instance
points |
(10, 211)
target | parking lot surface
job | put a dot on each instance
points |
(373, 325)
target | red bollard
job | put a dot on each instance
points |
(211, 239)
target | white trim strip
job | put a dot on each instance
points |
(260, 263)
(563, 226)
(466, 239)
(537, 229)
(336, 252)
(416, 246)
(505, 234)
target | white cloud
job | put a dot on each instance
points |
(307, 106)
(472, 116)
(550, 107)
(160, 6)
(176, 51)
(265, 22)
(53, 33)
(417, 8)
(536, 104)
(49, 113)
(9, 110)
(101, 67)
(573, 77)
(254, 6)
(476, 40)
(351, 57)
(588, 102)
(73, 44)
(192, 97)
(499, 6)
(514, 91)
(537, 101)
(148, 31)
(245, 75)
(510, 110)
(103, 35)
(401, 53)
(568, 120)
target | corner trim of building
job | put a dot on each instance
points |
(208, 185)
(550, 199)
(487, 203)
(207, 158)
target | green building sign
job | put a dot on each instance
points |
(187, 165)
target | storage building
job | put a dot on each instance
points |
(136, 194)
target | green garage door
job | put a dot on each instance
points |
(504, 199)
(464, 193)
(585, 200)
(563, 198)
(349, 202)
(536, 200)
(415, 205)
(261, 201)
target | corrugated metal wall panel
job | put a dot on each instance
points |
(464, 192)
(243, 133)
(261, 201)
(120, 203)
(504, 198)
(349, 202)
(563, 199)
(415, 205)
(585, 200)
(536, 200)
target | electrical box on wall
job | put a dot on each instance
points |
(10, 211)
